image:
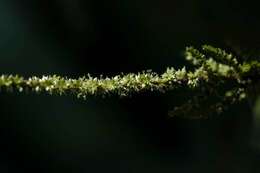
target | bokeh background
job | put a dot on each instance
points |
(51, 134)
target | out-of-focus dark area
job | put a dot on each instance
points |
(47, 134)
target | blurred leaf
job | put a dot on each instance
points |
(256, 125)
(257, 108)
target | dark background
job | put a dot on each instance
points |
(45, 134)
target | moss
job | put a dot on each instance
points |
(212, 66)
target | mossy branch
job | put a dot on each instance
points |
(213, 69)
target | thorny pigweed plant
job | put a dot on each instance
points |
(214, 74)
